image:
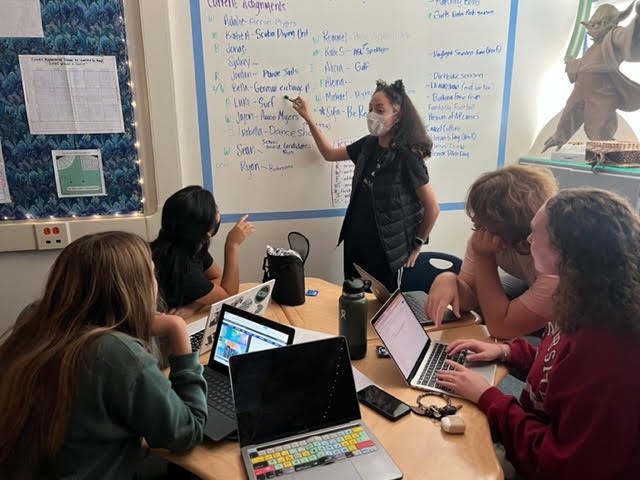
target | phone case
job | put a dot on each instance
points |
(388, 398)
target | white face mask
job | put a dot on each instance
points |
(375, 124)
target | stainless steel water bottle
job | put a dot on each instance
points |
(353, 316)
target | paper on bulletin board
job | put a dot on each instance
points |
(78, 173)
(5, 196)
(71, 94)
(20, 18)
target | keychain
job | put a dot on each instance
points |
(449, 421)
(433, 411)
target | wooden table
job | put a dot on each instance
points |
(321, 312)
(416, 444)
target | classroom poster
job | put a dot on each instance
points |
(20, 18)
(78, 173)
(71, 94)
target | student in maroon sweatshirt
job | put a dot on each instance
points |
(579, 412)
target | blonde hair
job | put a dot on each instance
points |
(99, 283)
(504, 201)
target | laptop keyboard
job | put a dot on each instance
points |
(311, 452)
(436, 362)
(219, 394)
(417, 307)
(196, 340)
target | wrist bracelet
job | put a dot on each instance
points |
(505, 353)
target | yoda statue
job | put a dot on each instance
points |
(599, 86)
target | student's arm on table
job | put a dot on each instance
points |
(187, 311)
(214, 273)
(178, 403)
(504, 318)
(450, 289)
(584, 437)
(326, 149)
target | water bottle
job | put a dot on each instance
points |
(353, 316)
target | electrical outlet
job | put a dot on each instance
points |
(50, 236)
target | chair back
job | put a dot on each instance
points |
(422, 274)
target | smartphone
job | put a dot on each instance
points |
(382, 402)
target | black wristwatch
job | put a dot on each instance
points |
(419, 241)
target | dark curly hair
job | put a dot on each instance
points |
(597, 236)
(504, 201)
(409, 131)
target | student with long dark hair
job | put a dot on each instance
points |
(188, 276)
(578, 413)
(392, 207)
(79, 387)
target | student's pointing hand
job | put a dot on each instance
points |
(240, 231)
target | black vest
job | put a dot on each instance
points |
(397, 209)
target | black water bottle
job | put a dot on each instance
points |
(353, 316)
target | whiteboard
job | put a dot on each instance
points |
(454, 56)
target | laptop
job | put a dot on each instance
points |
(237, 332)
(299, 418)
(417, 356)
(254, 300)
(415, 299)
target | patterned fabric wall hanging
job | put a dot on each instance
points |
(71, 27)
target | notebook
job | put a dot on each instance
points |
(254, 300)
(237, 331)
(299, 418)
(414, 353)
(415, 299)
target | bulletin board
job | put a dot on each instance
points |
(78, 28)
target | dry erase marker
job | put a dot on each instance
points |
(287, 97)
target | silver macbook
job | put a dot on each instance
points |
(417, 356)
(253, 300)
(415, 299)
(298, 415)
(236, 332)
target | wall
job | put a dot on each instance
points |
(168, 60)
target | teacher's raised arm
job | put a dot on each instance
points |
(327, 150)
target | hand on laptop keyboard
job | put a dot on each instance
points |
(459, 357)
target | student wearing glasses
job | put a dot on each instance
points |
(501, 205)
(577, 416)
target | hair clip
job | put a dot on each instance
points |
(398, 86)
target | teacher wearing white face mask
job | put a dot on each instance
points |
(392, 207)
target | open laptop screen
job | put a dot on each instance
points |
(294, 389)
(401, 333)
(240, 335)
